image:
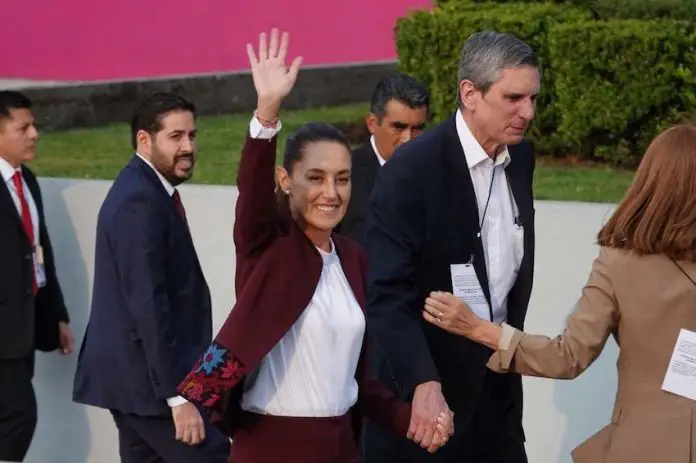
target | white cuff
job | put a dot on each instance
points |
(176, 401)
(256, 130)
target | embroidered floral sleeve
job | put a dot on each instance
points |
(215, 372)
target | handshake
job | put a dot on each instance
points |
(432, 422)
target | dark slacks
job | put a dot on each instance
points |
(275, 439)
(496, 450)
(494, 435)
(153, 440)
(17, 408)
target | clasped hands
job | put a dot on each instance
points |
(431, 419)
(432, 422)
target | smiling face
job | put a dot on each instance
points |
(319, 186)
(18, 136)
(172, 149)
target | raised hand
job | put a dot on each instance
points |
(273, 80)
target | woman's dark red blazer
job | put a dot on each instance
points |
(278, 269)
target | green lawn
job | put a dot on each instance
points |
(101, 152)
(589, 184)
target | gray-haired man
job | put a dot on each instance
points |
(453, 211)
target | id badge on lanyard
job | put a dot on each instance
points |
(39, 269)
(465, 283)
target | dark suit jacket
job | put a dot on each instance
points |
(151, 310)
(278, 269)
(26, 322)
(424, 217)
(364, 173)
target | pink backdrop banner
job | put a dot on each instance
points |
(89, 40)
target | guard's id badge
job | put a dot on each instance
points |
(39, 269)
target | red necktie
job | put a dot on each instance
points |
(26, 219)
(179, 206)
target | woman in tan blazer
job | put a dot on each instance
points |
(642, 291)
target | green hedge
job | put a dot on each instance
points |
(619, 82)
(607, 86)
(571, 3)
(607, 9)
(429, 44)
(559, 2)
(643, 9)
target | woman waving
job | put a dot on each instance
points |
(286, 373)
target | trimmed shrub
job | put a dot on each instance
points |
(558, 2)
(429, 44)
(609, 9)
(619, 82)
(644, 9)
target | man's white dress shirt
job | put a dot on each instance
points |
(502, 238)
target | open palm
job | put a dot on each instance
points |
(272, 78)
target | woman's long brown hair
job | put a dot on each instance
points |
(658, 213)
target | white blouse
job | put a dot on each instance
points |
(311, 371)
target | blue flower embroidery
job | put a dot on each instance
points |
(212, 359)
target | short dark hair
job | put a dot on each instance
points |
(150, 112)
(10, 99)
(312, 132)
(399, 87)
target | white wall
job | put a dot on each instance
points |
(558, 415)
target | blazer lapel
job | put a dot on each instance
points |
(370, 164)
(7, 203)
(466, 206)
(161, 192)
(279, 284)
(32, 183)
(351, 269)
(518, 184)
(33, 189)
(152, 178)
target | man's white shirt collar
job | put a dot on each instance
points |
(474, 152)
(374, 148)
(165, 183)
(7, 170)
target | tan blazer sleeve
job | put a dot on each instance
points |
(566, 356)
